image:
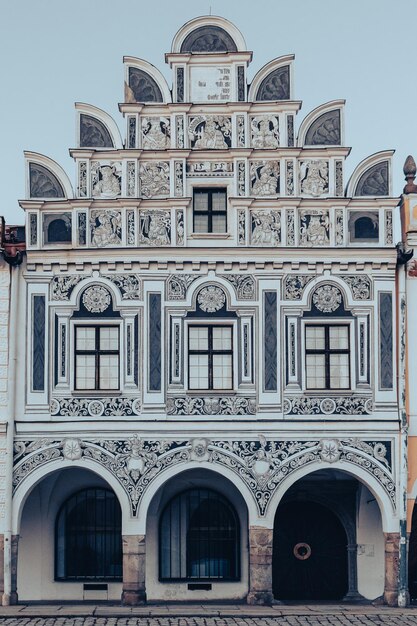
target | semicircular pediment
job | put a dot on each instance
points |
(209, 38)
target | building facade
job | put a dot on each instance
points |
(202, 389)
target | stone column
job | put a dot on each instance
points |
(392, 546)
(134, 556)
(260, 565)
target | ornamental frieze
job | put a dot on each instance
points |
(360, 286)
(95, 407)
(224, 405)
(338, 405)
(262, 465)
(244, 284)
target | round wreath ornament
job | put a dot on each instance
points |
(96, 299)
(211, 299)
(327, 298)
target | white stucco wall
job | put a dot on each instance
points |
(370, 540)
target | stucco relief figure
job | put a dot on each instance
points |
(265, 178)
(106, 181)
(266, 227)
(314, 177)
(154, 179)
(210, 133)
(314, 228)
(156, 133)
(155, 228)
(265, 133)
(106, 228)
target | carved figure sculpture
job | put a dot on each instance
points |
(265, 133)
(156, 134)
(266, 229)
(314, 177)
(265, 178)
(314, 229)
(106, 228)
(108, 184)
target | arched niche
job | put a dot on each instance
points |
(273, 81)
(144, 83)
(96, 128)
(45, 178)
(372, 177)
(323, 126)
(208, 34)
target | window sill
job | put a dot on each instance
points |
(209, 236)
(100, 393)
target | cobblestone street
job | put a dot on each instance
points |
(205, 616)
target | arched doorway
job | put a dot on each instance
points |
(311, 547)
(412, 557)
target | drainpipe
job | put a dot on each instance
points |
(403, 595)
(14, 275)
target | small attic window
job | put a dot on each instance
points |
(57, 228)
(208, 39)
(364, 227)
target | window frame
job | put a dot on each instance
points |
(97, 352)
(349, 324)
(210, 212)
(203, 323)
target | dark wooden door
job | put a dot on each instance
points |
(310, 553)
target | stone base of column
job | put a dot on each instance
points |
(392, 546)
(133, 598)
(260, 566)
(261, 598)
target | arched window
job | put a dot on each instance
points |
(88, 538)
(199, 538)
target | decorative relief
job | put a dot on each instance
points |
(241, 178)
(93, 133)
(276, 85)
(262, 465)
(265, 131)
(208, 39)
(290, 227)
(154, 179)
(314, 177)
(155, 228)
(388, 228)
(179, 126)
(94, 407)
(131, 232)
(266, 227)
(106, 179)
(374, 181)
(360, 286)
(156, 133)
(142, 87)
(177, 286)
(82, 229)
(33, 227)
(325, 130)
(338, 174)
(244, 284)
(241, 96)
(105, 228)
(211, 299)
(339, 229)
(179, 179)
(290, 130)
(128, 285)
(96, 299)
(82, 179)
(180, 84)
(62, 286)
(264, 178)
(210, 132)
(289, 170)
(190, 405)
(339, 405)
(131, 131)
(241, 134)
(294, 285)
(43, 183)
(314, 227)
(241, 227)
(210, 168)
(179, 218)
(327, 298)
(131, 179)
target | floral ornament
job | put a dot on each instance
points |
(96, 408)
(71, 449)
(211, 299)
(330, 450)
(199, 450)
(96, 299)
(327, 298)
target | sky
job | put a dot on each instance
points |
(57, 52)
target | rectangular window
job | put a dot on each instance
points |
(327, 356)
(96, 358)
(210, 211)
(210, 356)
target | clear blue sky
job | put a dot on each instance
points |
(57, 52)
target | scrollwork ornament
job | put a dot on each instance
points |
(96, 299)
(211, 299)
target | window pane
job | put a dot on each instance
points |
(218, 202)
(198, 338)
(85, 371)
(201, 201)
(222, 338)
(200, 223)
(315, 371)
(218, 223)
(85, 338)
(222, 371)
(109, 338)
(338, 337)
(339, 371)
(109, 371)
(198, 371)
(315, 337)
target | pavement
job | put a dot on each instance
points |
(206, 615)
